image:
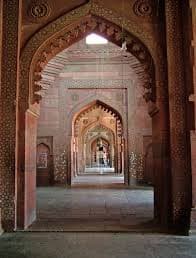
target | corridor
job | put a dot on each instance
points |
(94, 203)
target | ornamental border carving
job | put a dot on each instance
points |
(70, 28)
(102, 106)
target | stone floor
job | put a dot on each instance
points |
(103, 201)
(99, 170)
(99, 181)
(95, 245)
(94, 203)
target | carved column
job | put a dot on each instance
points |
(179, 134)
(160, 139)
(9, 82)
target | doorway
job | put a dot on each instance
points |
(91, 144)
(97, 141)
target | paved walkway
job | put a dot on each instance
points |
(95, 245)
(99, 181)
(88, 206)
(99, 170)
(94, 203)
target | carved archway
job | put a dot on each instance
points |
(93, 151)
(87, 103)
(78, 136)
(63, 32)
(110, 138)
(101, 105)
(98, 124)
(69, 29)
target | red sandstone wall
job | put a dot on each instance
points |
(30, 168)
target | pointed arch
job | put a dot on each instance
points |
(97, 124)
(70, 28)
(89, 107)
(102, 105)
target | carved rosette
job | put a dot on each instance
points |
(144, 8)
(39, 10)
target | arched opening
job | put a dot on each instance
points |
(90, 111)
(97, 142)
(140, 60)
(154, 50)
(44, 173)
(101, 153)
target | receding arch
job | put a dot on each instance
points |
(87, 103)
(93, 148)
(96, 124)
(98, 104)
(32, 60)
(81, 134)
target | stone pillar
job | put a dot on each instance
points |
(160, 146)
(193, 161)
(179, 134)
(1, 13)
(193, 135)
(9, 83)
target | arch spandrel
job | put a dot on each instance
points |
(49, 41)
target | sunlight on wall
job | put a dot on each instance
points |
(94, 39)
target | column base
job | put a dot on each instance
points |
(8, 225)
(1, 232)
(133, 181)
(192, 230)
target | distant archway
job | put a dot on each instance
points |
(88, 126)
(96, 159)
